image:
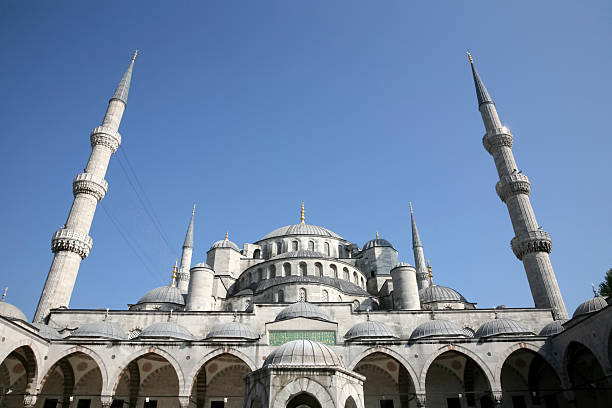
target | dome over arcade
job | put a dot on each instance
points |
(502, 327)
(163, 294)
(302, 353)
(166, 330)
(370, 329)
(437, 293)
(232, 330)
(437, 328)
(302, 309)
(103, 329)
(47, 331)
(11, 311)
(589, 306)
(552, 328)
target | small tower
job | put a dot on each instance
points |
(419, 257)
(183, 275)
(199, 296)
(72, 243)
(405, 289)
(531, 243)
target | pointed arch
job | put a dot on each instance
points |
(215, 353)
(28, 360)
(303, 386)
(76, 350)
(531, 347)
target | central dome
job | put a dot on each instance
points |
(303, 353)
(302, 229)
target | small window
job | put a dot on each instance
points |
(311, 245)
(259, 274)
(355, 278)
(287, 269)
(326, 247)
(272, 271)
(325, 296)
(279, 247)
(256, 254)
(303, 269)
(318, 269)
(295, 245)
(334, 271)
(345, 273)
(281, 296)
(302, 295)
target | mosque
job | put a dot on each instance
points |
(303, 317)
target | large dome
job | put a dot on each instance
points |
(502, 327)
(232, 330)
(369, 330)
(11, 311)
(164, 294)
(166, 330)
(302, 309)
(103, 329)
(437, 293)
(437, 328)
(302, 353)
(591, 305)
(302, 229)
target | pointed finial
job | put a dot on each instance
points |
(368, 313)
(302, 216)
(235, 315)
(429, 273)
(410, 204)
(592, 286)
(226, 235)
(135, 54)
(174, 271)
(170, 316)
(193, 211)
(377, 235)
(470, 57)
(4, 294)
(106, 313)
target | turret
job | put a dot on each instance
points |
(405, 288)
(531, 243)
(199, 296)
(419, 257)
(183, 275)
(72, 243)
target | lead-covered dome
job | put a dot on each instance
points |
(231, 331)
(552, 328)
(300, 353)
(302, 309)
(502, 327)
(103, 329)
(437, 293)
(225, 243)
(437, 328)
(166, 330)
(11, 311)
(591, 305)
(302, 229)
(164, 294)
(377, 242)
(370, 330)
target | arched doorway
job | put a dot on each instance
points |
(387, 384)
(75, 380)
(350, 403)
(527, 379)
(303, 400)
(590, 385)
(149, 381)
(17, 372)
(455, 380)
(220, 383)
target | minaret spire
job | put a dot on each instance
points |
(183, 274)
(302, 216)
(72, 243)
(531, 243)
(419, 256)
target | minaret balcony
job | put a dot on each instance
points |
(512, 185)
(65, 239)
(531, 241)
(88, 183)
(496, 138)
(106, 137)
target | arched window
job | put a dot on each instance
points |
(279, 247)
(272, 271)
(302, 295)
(334, 271)
(259, 274)
(362, 283)
(295, 245)
(326, 248)
(355, 278)
(303, 269)
(311, 245)
(281, 296)
(345, 274)
(256, 254)
(340, 251)
(287, 269)
(324, 296)
(318, 269)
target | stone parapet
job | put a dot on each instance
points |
(512, 185)
(497, 137)
(89, 183)
(65, 239)
(104, 136)
(532, 241)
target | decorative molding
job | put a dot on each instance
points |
(88, 183)
(106, 137)
(512, 185)
(497, 138)
(65, 239)
(532, 241)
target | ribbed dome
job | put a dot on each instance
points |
(437, 293)
(370, 329)
(377, 242)
(103, 329)
(164, 294)
(302, 229)
(46, 331)
(11, 311)
(591, 305)
(437, 328)
(552, 328)
(302, 309)
(166, 330)
(225, 243)
(500, 327)
(232, 330)
(302, 253)
(300, 353)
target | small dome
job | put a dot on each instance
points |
(46, 331)
(103, 329)
(302, 253)
(164, 294)
(377, 242)
(302, 353)
(552, 328)
(302, 309)
(166, 330)
(591, 305)
(437, 328)
(502, 326)
(11, 311)
(437, 293)
(232, 330)
(369, 329)
(225, 243)
(302, 229)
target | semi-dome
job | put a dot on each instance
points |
(47, 331)
(164, 294)
(232, 330)
(103, 329)
(166, 330)
(370, 329)
(11, 311)
(300, 353)
(552, 328)
(591, 305)
(302, 229)
(437, 328)
(225, 243)
(502, 327)
(376, 242)
(437, 293)
(302, 253)
(302, 309)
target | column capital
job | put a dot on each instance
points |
(106, 400)
(29, 400)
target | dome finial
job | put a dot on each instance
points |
(377, 237)
(302, 216)
(470, 57)
(174, 271)
(193, 211)
(135, 54)
(226, 235)
(368, 313)
(410, 204)
(4, 294)
(595, 294)
(429, 273)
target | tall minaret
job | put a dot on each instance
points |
(419, 257)
(72, 243)
(183, 275)
(531, 243)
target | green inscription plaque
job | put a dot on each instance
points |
(278, 337)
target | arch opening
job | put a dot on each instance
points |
(387, 384)
(18, 372)
(350, 403)
(220, 381)
(586, 376)
(303, 400)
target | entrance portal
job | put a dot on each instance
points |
(303, 400)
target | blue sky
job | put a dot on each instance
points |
(356, 108)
